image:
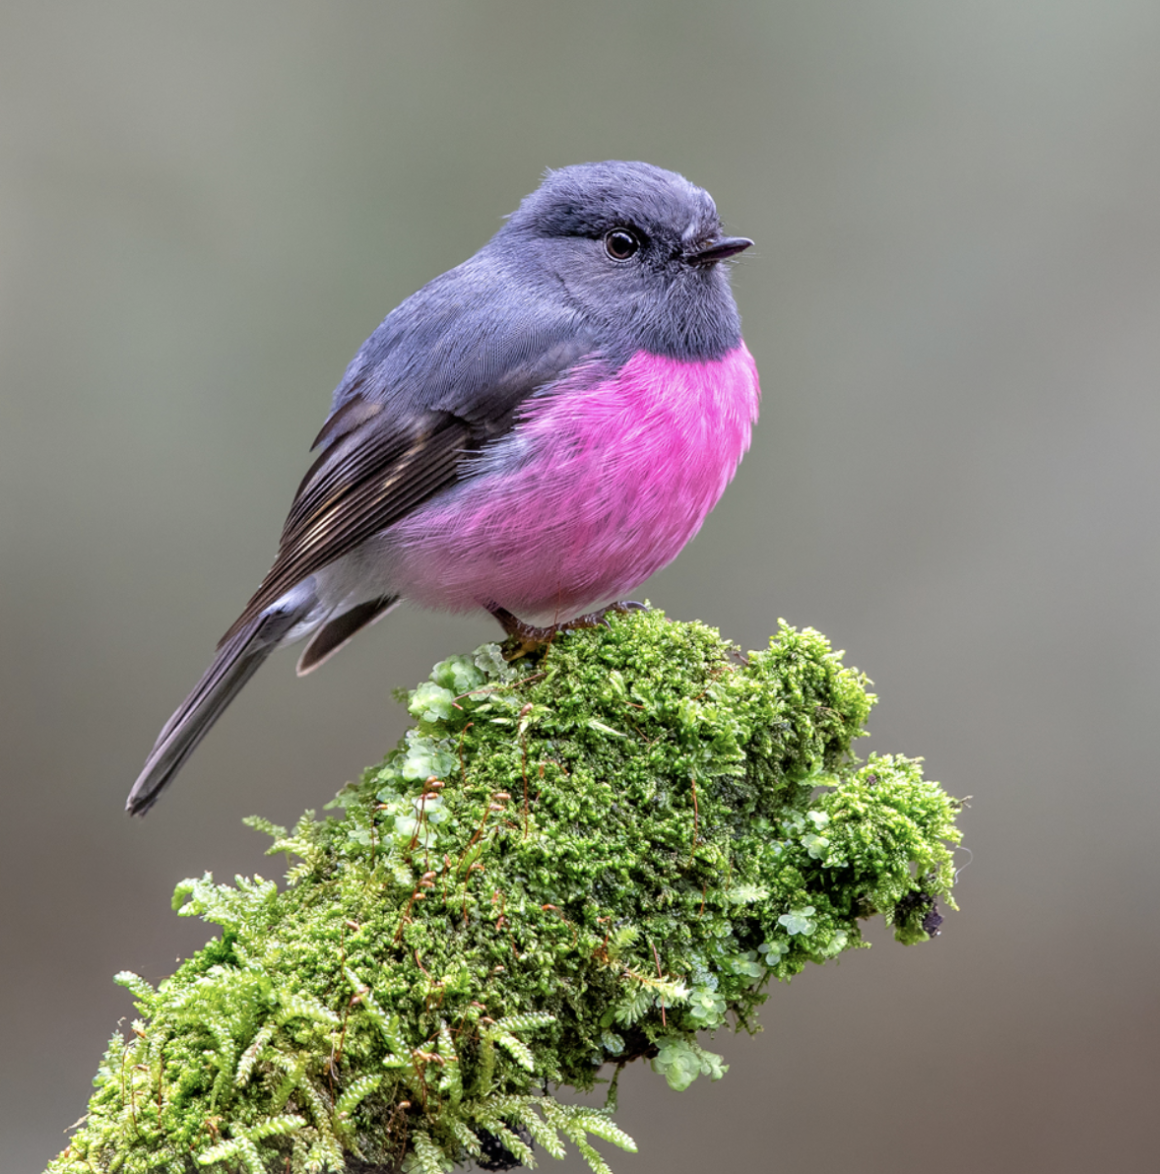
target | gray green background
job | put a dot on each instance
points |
(954, 303)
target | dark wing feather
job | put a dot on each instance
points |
(442, 375)
(371, 483)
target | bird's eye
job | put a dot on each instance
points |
(621, 243)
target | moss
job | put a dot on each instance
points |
(569, 862)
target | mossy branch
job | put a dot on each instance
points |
(570, 862)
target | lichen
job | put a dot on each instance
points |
(570, 862)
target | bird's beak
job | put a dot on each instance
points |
(726, 246)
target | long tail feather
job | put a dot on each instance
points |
(235, 663)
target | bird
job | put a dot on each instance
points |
(533, 434)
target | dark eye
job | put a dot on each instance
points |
(621, 243)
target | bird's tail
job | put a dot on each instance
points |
(236, 661)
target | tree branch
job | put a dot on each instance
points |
(576, 860)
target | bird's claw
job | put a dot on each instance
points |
(525, 638)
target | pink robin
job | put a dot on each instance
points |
(533, 433)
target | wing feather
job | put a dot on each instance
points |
(380, 481)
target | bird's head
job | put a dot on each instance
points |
(635, 249)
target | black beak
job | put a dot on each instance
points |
(726, 246)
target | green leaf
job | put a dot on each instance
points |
(432, 703)
(680, 1061)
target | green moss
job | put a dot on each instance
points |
(568, 862)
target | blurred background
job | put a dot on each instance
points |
(954, 304)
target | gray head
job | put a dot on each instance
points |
(637, 250)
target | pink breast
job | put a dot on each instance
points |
(601, 483)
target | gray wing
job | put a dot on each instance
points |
(444, 374)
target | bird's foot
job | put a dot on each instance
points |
(524, 638)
